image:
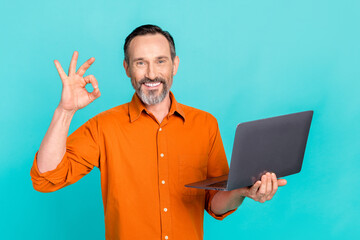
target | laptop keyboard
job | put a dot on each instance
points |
(222, 184)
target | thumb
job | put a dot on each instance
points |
(95, 93)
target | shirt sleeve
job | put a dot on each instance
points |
(217, 166)
(82, 154)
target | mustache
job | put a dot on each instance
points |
(148, 80)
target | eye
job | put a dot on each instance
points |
(161, 61)
(140, 63)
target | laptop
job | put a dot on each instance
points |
(274, 144)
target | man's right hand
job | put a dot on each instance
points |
(74, 95)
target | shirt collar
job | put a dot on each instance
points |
(136, 107)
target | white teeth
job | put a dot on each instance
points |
(152, 84)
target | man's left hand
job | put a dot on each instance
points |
(262, 190)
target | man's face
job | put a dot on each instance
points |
(150, 67)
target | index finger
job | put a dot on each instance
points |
(282, 182)
(85, 66)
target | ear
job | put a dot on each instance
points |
(126, 67)
(175, 65)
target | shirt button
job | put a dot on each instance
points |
(163, 182)
(161, 155)
(165, 209)
(160, 129)
(166, 237)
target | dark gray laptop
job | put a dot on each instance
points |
(274, 144)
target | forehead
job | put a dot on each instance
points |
(149, 46)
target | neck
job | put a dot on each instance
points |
(161, 109)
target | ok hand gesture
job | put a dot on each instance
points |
(74, 95)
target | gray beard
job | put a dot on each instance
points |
(151, 98)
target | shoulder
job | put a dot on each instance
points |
(195, 115)
(120, 110)
(118, 113)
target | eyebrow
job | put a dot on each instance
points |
(162, 57)
(142, 59)
(138, 59)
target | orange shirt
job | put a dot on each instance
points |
(144, 165)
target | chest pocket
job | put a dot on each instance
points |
(192, 168)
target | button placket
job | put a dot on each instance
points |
(163, 173)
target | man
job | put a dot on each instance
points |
(146, 150)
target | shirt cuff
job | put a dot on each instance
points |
(54, 176)
(209, 196)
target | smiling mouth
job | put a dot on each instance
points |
(152, 84)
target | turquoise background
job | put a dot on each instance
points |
(239, 60)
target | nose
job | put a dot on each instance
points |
(151, 71)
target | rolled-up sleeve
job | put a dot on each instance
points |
(82, 154)
(217, 166)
